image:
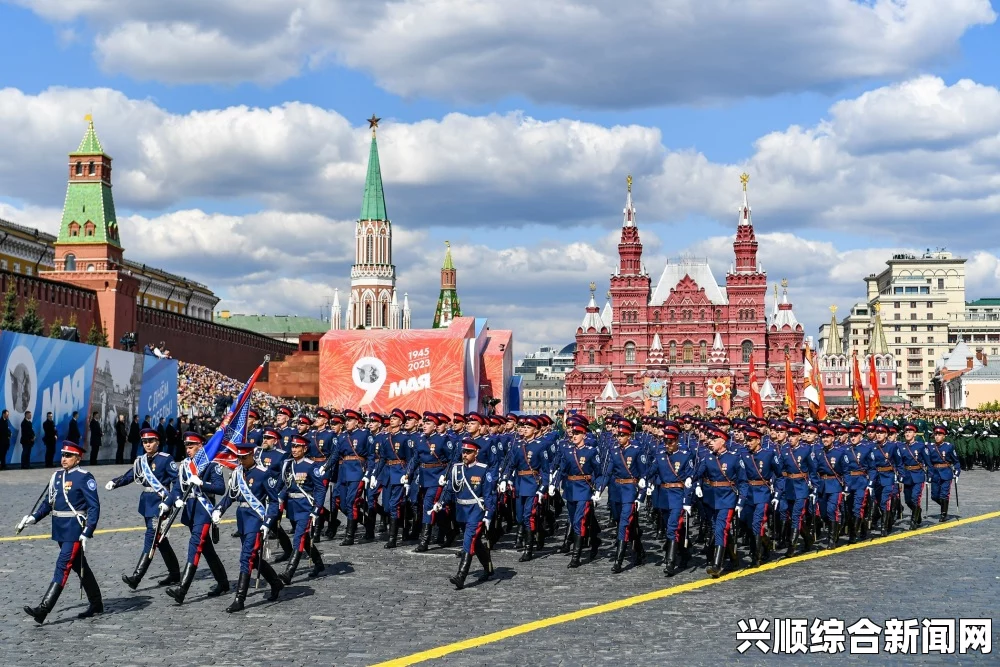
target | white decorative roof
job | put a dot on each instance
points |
(718, 354)
(628, 214)
(700, 272)
(607, 315)
(609, 393)
(593, 316)
(784, 316)
(657, 346)
(957, 358)
(744, 209)
(767, 390)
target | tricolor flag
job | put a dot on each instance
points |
(790, 389)
(756, 404)
(857, 391)
(813, 386)
(232, 430)
(875, 404)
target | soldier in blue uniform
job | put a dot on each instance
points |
(322, 440)
(282, 422)
(723, 472)
(254, 488)
(857, 482)
(430, 460)
(579, 469)
(302, 493)
(155, 471)
(828, 483)
(199, 481)
(944, 466)
(915, 460)
(668, 469)
(887, 468)
(761, 468)
(796, 461)
(72, 500)
(472, 486)
(272, 457)
(254, 430)
(528, 474)
(350, 459)
(374, 484)
(392, 459)
(626, 471)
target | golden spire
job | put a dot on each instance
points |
(744, 179)
(90, 119)
(784, 283)
(447, 244)
(628, 180)
(833, 309)
(593, 288)
(878, 307)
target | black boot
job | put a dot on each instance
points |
(463, 571)
(792, 543)
(486, 561)
(638, 551)
(218, 571)
(140, 571)
(574, 560)
(754, 550)
(317, 559)
(271, 577)
(242, 586)
(567, 540)
(944, 511)
(669, 562)
(831, 541)
(284, 542)
(178, 592)
(619, 557)
(714, 568)
(170, 560)
(332, 526)
(519, 540)
(540, 538)
(350, 532)
(529, 546)
(47, 604)
(393, 534)
(424, 543)
(370, 526)
(293, 564)
(595, 544)
(95, 604)
(734, 555)
(614, 550)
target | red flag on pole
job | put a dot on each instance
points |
(857, 391)
(875, 404)
(756, 404)
(790, 388)
(813, 386)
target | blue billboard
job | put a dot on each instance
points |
(158, 397)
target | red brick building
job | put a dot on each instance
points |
(686, 341)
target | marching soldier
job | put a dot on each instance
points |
(472, 485)
(723, 472)
(668, 469)
(72, 500)
(254, 488)
(155, 471)
(829, 485)
(887, 467)
(915, 459)
(944, 466)
(761, 467)
(350, 460)
(528, 474)
(430, 460)
(302, 494)
(198, 482)
(272, 457)
(626, 470)
(579, 468)
(796, 463)
(393, 458)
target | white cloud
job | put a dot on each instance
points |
(589, 53)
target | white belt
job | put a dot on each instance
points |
(469, 501)
(296, 495)
(65, 514)
(244, 504)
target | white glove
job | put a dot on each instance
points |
(739, 511)
(406, 489)
(697, 491)
(442, 480)
(774, 502)
(194, 479)
(83, 542)
(109, 486)
(552, 489)
(541, 496)
(216, 516)
(263, 533)
(179, 503)
(164, 508)
(642, 483)
(27, 520)
(437, 507)
(812, 498)
(687, 509)
(486, 522)
(596, 497)
(687, 483)
(322, 471)
(503, 487)
(372, 482)
(404, 480)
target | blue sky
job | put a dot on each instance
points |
(512, 136)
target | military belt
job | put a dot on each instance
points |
(672, 485)
(884, 468)
(797, 475)
(858, 473)
(65, 514)
(296, 495)
(758, 482)
(942, 465)
(626, 480)
(244, 505)
(467, 501)
(828, 477)
(720, 484)
(395, 462)
(433, 465)
(913, 467)
(353, 458)
(527, 473)
(579, 478)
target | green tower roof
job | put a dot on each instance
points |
(373, 206)
(90, 145)
(448, 265)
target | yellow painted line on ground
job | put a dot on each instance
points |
(540, 624)
(102, 531)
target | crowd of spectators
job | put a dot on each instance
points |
(206, 394)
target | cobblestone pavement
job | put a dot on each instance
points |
(375, 604)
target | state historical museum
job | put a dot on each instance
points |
(687, 341)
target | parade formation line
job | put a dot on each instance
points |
(103, 531)
(493, 637)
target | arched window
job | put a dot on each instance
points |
(630, 353)
(590, 357)
(683, 389)
(70, 262)
(701, 315)
(79, 168)
(656, 316)
(747, 351)
(369, 249)
(673, 351)
(688, 352)
(90, 169)
(786, 350)
(368, 315)
(671, 315)
(74, 229)
(691, 389)
(704, 351)
(385, 314)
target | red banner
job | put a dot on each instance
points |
(875, 404)
(858, 391)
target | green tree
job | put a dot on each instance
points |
(10, 321)
(31, 323)
(72, 321)
(55, 329)
(97, 337)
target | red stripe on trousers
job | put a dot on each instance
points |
(201, 544)
(69, 565)
(729, 520)
(256, 550)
